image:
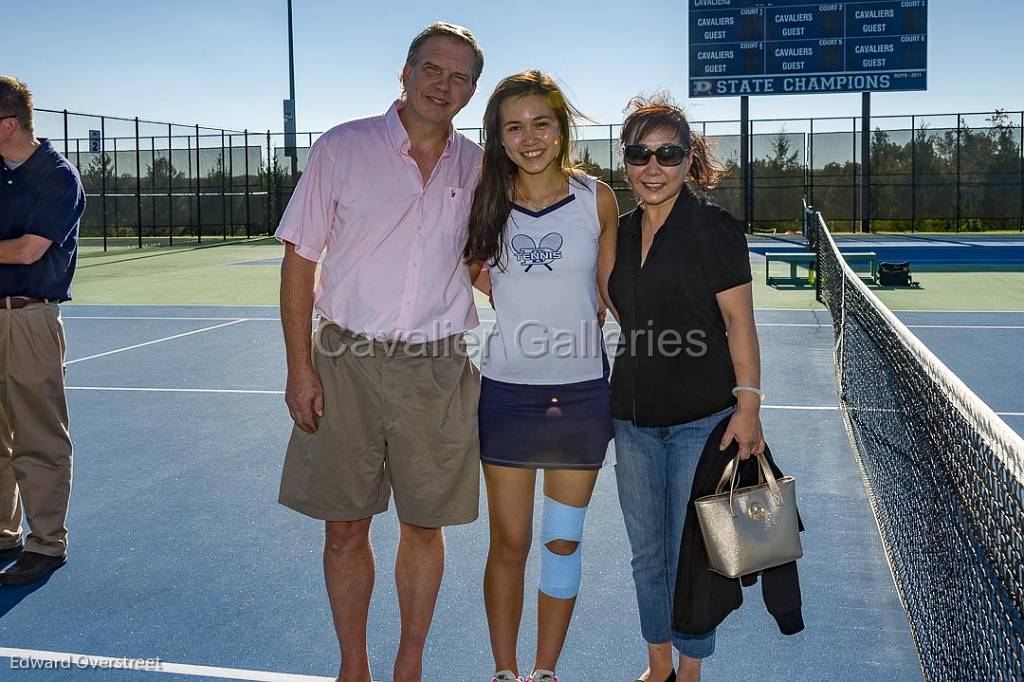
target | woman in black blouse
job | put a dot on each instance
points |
(688, 356)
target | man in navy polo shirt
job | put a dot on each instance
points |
(41, 203)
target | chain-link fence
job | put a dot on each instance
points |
(159, 183)
(149, 183)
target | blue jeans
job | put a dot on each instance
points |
(654, 471)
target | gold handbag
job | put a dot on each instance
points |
(750, 529)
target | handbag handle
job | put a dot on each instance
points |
(764, 475)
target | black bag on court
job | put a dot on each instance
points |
(894, 274)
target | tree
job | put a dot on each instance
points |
(585, 162)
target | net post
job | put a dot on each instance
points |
(815, 231)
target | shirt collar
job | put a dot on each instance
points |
(43, 151)
(677, 217)
(398, 136)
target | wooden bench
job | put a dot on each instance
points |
(808, 260)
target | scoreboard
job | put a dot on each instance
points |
(750, 47)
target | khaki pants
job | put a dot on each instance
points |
(35, 449)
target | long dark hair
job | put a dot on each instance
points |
(645, 114)
(492, 202)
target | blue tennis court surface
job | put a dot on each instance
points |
(963, 249)
(179, 551)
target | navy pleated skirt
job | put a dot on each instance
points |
(564, 426)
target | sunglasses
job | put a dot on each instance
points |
(666, 154)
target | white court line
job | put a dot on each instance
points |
(832, 408)
(801, 407)
(910, 326)
(244, 391)
(823, 323)
(146, 317)
(822, 309)
(87, 661)
(966, 326)
(150, 343)
(173, 390)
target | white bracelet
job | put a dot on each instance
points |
(749, 389)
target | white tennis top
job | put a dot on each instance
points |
(545, 294)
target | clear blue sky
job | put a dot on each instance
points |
(224, 62)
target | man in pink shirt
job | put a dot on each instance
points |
(384, 395)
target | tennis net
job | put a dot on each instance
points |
(945, 476)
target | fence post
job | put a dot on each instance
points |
(152, 186)
(199, 191)
(270, 182)
(138, 185)
(958, 173)
(913, 174)
(247, 223)
(65, 133)
(223, 197)
(170, 187)
(865, 162)
(810, 165)
(231, 187)
(188, 156)
(744, 163)
(853, 188)
(117, 182)
(103, 176)
(751, 180)
(611, 156)
(1021, 147)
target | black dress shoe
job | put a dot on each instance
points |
(10, 553)
(31, 567)
(670, 678)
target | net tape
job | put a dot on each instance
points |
(945, 476)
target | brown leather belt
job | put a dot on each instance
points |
(14, 302)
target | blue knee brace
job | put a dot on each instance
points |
(560, 574)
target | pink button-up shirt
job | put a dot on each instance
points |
(393, 265)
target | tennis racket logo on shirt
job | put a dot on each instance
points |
(530, 253)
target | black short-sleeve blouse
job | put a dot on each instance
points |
(672, 361)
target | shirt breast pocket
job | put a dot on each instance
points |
(456, 204)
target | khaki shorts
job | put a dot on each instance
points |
(396, 415)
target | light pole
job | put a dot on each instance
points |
(289, 104)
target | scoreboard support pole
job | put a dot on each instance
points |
(865, 162)
(748, 217)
